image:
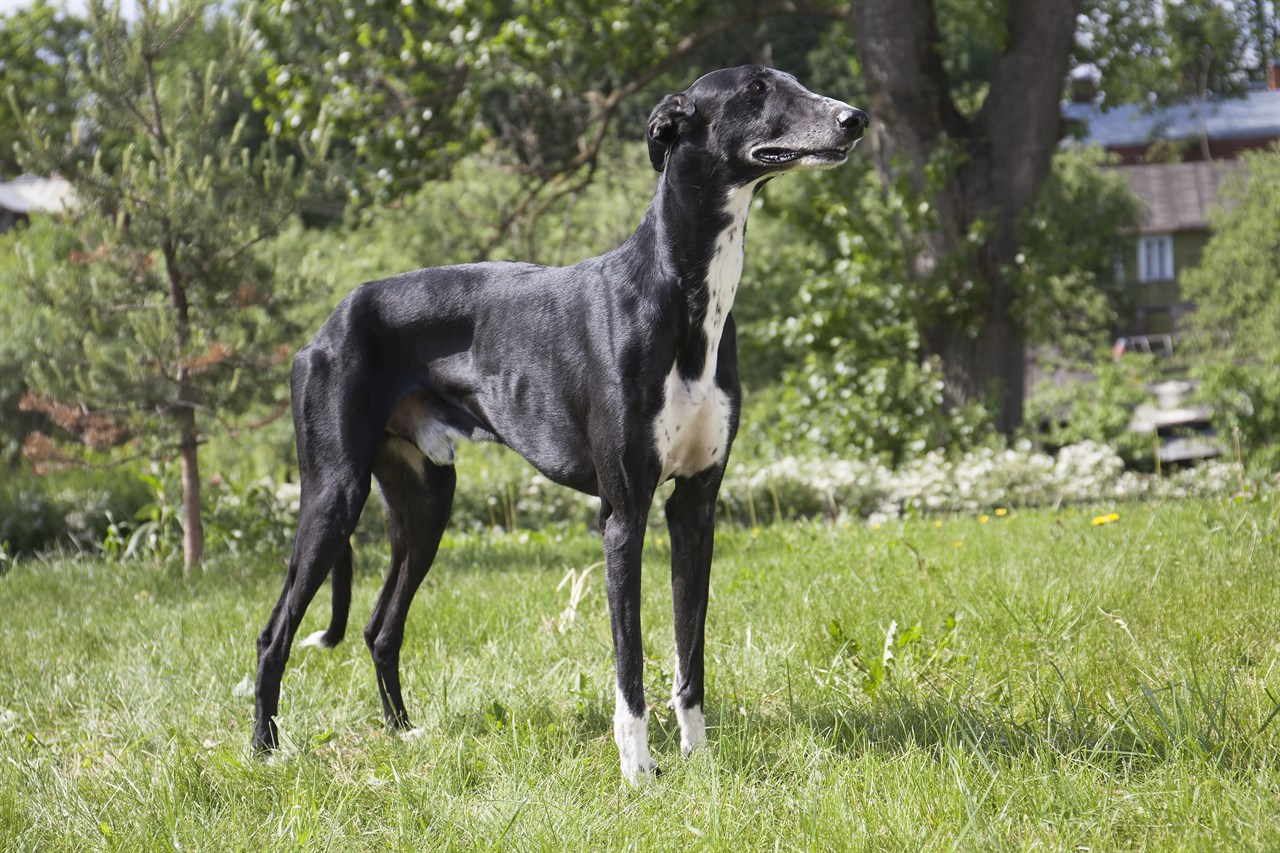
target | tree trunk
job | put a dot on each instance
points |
(192, 521)
(1004, 155)
(188, 431)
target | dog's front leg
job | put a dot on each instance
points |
(691, 523)
(623, 541)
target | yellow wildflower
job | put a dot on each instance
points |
(1099, 520)
(983, 519)
(1001, 511)
(937, 523)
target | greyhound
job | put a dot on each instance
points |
(611, 377)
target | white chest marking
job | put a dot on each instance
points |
(692, 430)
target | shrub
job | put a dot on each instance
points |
(72, 509)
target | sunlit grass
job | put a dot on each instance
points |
(1049, 682)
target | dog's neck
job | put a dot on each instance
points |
(697, 231)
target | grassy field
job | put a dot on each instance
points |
(1053, 683)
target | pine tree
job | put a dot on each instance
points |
(166, 320)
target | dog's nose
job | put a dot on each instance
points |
(851, 119)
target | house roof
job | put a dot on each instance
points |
(1254, 116)
(29, 194)
(1179, 196)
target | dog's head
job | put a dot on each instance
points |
(754, 122)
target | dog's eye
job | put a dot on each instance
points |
(756, 86)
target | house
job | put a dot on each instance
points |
(1176, 159)
(28, 194)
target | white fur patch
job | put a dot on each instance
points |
(631, 733)
(693, 723)
(317, 639)
(693, 728)
(692, 430)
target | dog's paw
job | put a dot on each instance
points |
(411, 734)
(632, 736)
(641, 773)
(693, 728)
(317, 640)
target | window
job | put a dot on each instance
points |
(1155, 258)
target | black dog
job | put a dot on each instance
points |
(610, 376)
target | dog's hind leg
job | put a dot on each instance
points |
(691, 523)
(341, 580)
(330, 510)
(419, 498)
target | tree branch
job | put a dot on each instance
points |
(559, 180)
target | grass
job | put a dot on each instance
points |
(1048, 683)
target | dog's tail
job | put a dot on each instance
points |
(341, 579)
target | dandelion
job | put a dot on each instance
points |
(875, 525)
(1001, 511)
(938, 523)
(959, 543)
(1099, 520)
(983, 519)
(755, 533)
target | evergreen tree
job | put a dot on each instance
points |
(165, 320)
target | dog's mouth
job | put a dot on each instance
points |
(814, 156)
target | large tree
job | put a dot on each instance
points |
(999, 157)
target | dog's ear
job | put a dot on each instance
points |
(665, 124)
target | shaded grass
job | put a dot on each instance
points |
(1067, 686)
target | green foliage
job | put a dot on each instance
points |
(840, 320)
(1174, 50)
(26, 253)
(1062, 413)
(389, 79)
(158, 275)
(73, 510)
(1234, 286)
(843, 309)
(1236, 325)
(409, 89)
(41, 46)
(1245, 398)
(1068, 293)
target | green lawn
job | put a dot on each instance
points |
(1070, 686)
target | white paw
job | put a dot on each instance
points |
(317, 639)
(693, 727)
(413, 733)
(632, 736)
(640, 774)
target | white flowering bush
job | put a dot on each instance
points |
(506, 493)
(978, 479)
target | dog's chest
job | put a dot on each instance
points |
(691, 431)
